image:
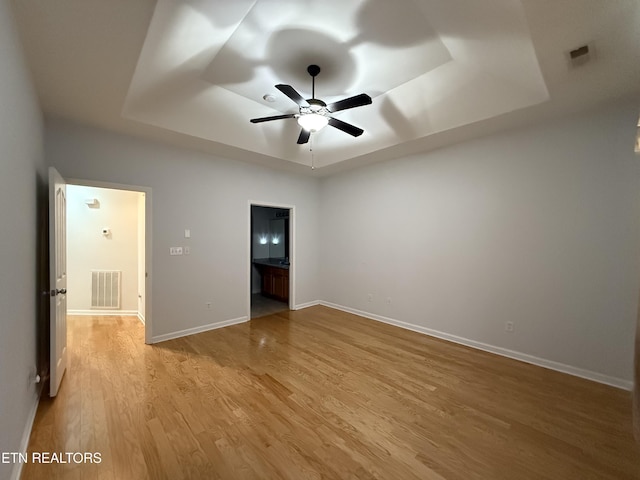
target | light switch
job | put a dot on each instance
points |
(187, 233)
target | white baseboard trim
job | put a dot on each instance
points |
(523, 357)
(194, 330)
(104, 313)
(300, 306)
(24, 441)
(141, 318)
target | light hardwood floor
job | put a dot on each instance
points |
(321, 394)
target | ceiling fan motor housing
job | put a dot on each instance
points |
(315, 106)
(314, 114)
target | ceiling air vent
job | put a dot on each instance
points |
(579, 56)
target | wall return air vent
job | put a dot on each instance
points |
(105, 289)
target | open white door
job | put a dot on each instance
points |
(57, 278)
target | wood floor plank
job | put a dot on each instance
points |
(321, 394)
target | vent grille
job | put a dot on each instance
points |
(105, 289)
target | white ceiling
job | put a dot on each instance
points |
(193, 72)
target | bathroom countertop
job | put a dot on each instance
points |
(272, 262)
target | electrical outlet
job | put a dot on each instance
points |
(508, 327)
(175, 250)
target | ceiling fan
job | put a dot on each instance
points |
(314, 114)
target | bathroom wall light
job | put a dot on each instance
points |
(263, 240)
(275, 240)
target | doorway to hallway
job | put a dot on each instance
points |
(106, 259)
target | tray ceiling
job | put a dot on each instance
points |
(193, 72)
(205, 68)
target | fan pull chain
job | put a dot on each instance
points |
(313, 166)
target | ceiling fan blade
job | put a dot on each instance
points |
(268, 119)
(345, 127)
(304, 136)
(291, 92)
(351, 102)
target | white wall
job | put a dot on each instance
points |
(22, 181)
(208, 195)
(89, 250)
(540, 227)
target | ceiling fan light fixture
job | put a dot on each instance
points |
(313, 122)
(314, 114)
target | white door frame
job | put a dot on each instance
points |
(292, 250)
(148, 325)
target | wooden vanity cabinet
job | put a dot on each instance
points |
(275, 282)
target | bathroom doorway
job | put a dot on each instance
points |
(270, 259)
